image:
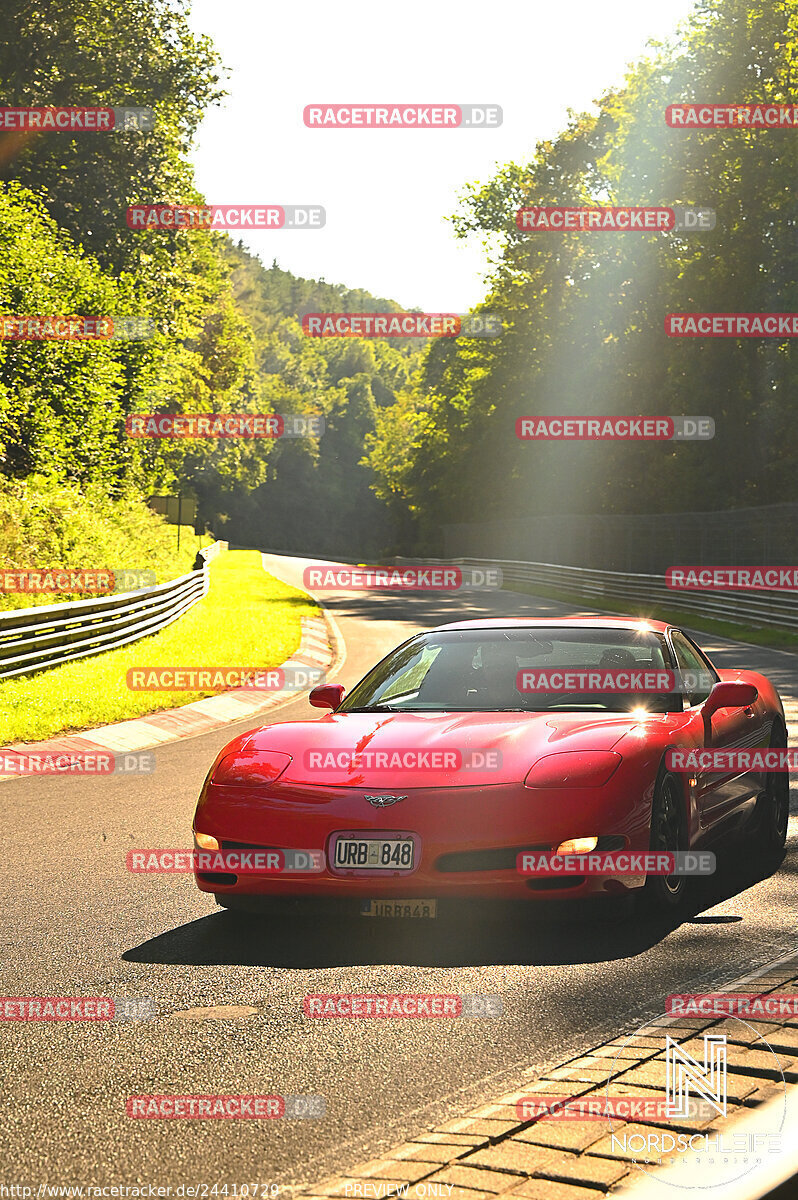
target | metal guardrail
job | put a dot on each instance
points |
(759, 609)
(33, 639)
(210, 552)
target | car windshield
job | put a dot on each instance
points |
(523, 670)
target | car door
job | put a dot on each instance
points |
(720, 794)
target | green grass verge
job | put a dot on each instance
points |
(248, 619)
(776, 639)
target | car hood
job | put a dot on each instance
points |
(402, 750)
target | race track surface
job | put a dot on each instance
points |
(77, 923)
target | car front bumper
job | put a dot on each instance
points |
(468, 839)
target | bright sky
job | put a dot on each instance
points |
(387, 192)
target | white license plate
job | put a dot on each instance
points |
(399, 908)
(374, 854)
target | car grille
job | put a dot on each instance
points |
(555, 883)
(501, 859)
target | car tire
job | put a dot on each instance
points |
(772, 812)
(664, 894)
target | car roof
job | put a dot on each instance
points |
(560, 623)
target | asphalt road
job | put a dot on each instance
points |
(77, 923)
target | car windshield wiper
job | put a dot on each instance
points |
(439, 708)
(372, 708)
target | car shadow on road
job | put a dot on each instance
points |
(599, 933)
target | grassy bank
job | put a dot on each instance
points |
(248, 619)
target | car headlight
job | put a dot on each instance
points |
(251, 767)
(582, 845)
(573, 769)
(205, 841)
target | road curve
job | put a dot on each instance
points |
(78, 924)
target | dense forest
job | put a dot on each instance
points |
(416, 435)
(318, 493)
(227, 332)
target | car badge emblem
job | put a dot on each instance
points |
(384, 801)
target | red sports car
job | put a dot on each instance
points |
(474, 743)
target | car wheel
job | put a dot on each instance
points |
(666, 893)
(772, 812)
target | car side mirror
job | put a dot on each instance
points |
(327, 695)
(733, 694)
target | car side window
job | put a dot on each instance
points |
(689, 660)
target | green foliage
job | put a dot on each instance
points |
(67, 249)
(138, 53)
(228, 334)
(59, 401)
(44, 524)
(584, 312)
(318, 493)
